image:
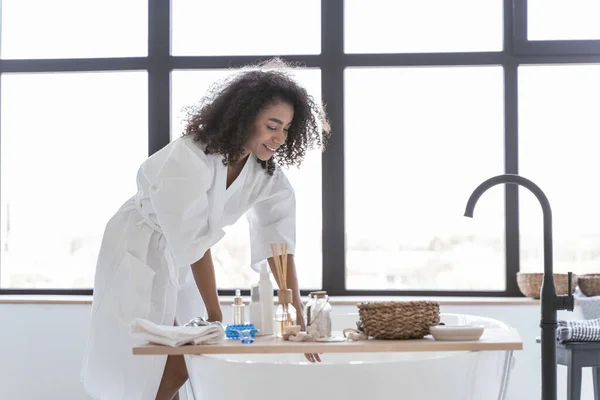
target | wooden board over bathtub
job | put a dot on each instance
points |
(491, 340)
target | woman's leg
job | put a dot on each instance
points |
(174, 376)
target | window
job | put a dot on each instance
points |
(560, 20)
(74, 28)
(558, 128)
(238, 27)
(70, 152)
(418, 141)
(426, 100)
(424, 26)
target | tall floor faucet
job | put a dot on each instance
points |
(550, 301)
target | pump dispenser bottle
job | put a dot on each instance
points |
(256, 308)
(265, 290)
(238, 309)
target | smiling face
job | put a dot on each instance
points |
(270, 130)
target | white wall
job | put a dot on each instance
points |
(40, 351)
(41, 348)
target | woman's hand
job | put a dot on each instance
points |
(215, 315)
(312, 357)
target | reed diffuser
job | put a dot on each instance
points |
(285, 315)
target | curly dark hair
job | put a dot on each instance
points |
(222, 119)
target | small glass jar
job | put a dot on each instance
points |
(285, 315)
(317, 314)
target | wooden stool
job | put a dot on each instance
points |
(576, 355)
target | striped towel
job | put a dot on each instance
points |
(587, 330)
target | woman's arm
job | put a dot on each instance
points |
(204, 275)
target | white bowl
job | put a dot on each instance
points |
(456, 332)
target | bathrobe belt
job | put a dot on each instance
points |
(173, 270)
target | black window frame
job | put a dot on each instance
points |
(159, 63)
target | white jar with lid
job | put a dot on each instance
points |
(317, 314)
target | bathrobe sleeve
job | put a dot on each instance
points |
(272, 219)
(178, 191)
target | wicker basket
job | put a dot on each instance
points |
(589, 284)
(530, 283)
(399, 319)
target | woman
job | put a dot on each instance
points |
(225, 165)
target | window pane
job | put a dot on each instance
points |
(563, 20)
(71, 146)
(558, 149)
(232, 254)
(406, 26)
(418, 142)
(237, 27)
(74, 28)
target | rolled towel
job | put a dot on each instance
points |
(176, 336)
(590, 306)
(587, 330)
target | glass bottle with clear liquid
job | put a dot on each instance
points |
(285, 315)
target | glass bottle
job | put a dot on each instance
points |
(318, 314)
(238, 309)
(285, 315)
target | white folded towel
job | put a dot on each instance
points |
(175, 336)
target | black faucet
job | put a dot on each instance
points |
(550, 301)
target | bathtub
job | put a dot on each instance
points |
(412, 376)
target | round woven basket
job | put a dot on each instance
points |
(399, 319)
(589, 284)
(530, 283)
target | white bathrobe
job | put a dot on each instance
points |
(177, 214)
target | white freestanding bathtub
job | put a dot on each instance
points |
(408, 376)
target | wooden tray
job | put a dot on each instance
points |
(491, 340)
